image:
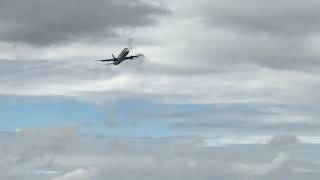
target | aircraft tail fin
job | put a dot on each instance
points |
(114, 58)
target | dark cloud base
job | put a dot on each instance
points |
(43, 23)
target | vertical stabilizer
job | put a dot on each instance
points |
(114, 58)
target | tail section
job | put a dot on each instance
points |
(114, 58)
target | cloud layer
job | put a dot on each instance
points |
(212, 69)
(170, 158)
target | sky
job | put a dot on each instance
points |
(226, 90)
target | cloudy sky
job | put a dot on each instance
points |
(227, 90)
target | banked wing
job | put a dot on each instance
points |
(105, 60)
(131, 57)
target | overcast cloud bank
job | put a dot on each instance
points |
(64, 154)
(251, 69)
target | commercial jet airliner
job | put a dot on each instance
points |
(122, 57)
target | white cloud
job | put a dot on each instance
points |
(79, 174)
(265, 168)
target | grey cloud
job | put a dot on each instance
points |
(280, 35)
(243, 125)
(232, 118)
(55, 139)
(284, 17)
(234, 50)
(39, 22)
(98, 157)
(38, 72)
(284, 140)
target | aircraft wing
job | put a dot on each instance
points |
(105, 60)
(131, 57)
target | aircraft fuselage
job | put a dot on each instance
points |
(121, 57)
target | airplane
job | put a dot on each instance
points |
(122, 57)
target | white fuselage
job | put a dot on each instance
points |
(121, 57)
